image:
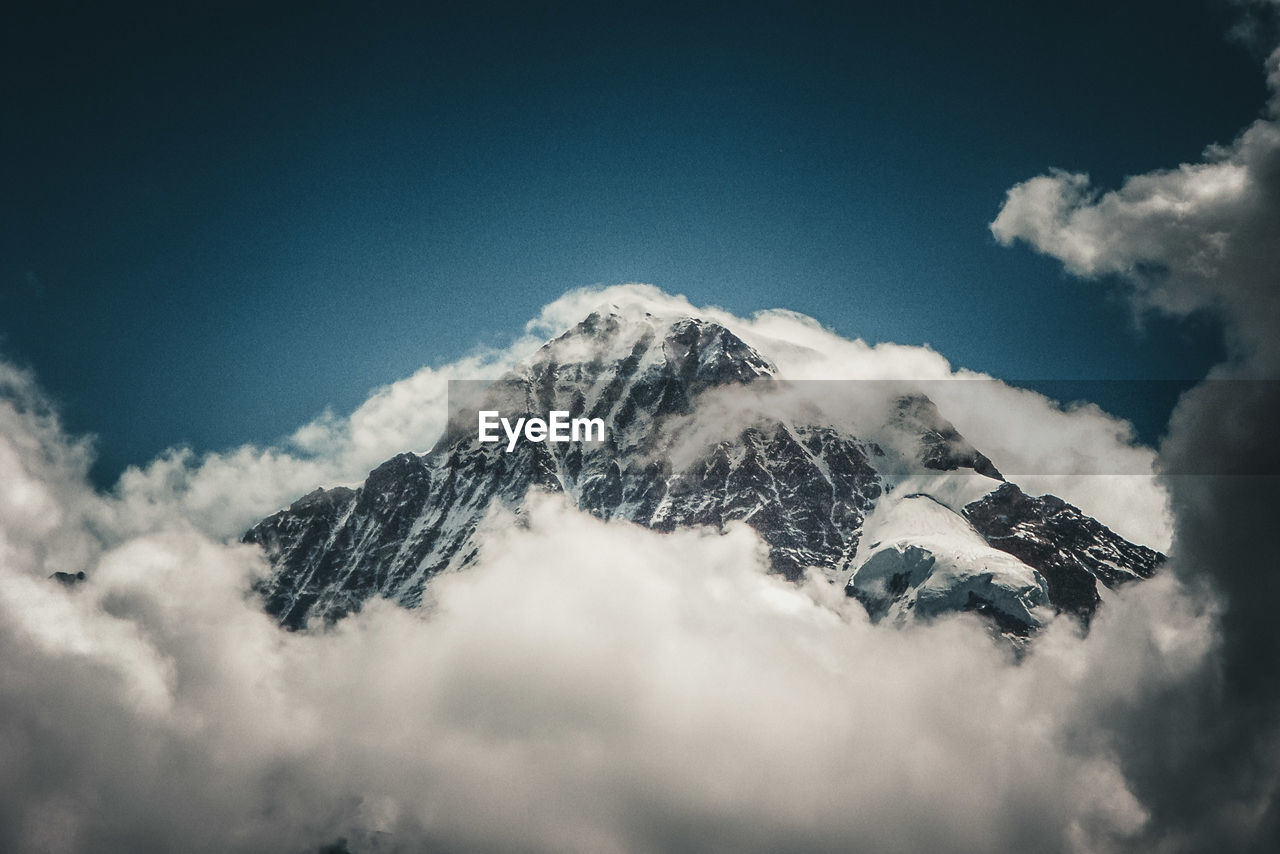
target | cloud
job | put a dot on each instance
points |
(1203, 236)
(223, 493)
(587, 686)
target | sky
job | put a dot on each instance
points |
(218, 223)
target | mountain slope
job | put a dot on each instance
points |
(700, 430)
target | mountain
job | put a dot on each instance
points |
(700, 429)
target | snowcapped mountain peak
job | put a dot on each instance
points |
(702, 431)
(691, 346)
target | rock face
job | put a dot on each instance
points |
(1071, 550)
(692, 439)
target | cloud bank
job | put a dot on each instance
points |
(1203, 236)
(585, 687)
(588, 686)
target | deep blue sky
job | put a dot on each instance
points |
(217, 223)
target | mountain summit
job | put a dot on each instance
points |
(700, 429)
